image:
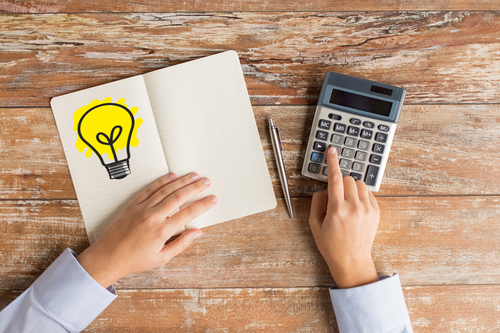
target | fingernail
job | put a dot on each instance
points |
(332, 150)
(196, 235)
(213, 198)
(206, 181)
(195, 176)
(171, 175)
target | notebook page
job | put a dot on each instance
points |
(206, 124)
(101, 198)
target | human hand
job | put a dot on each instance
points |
(344, 219)
(135, 241)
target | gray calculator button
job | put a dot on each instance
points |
(371, 175)
(384, 128)
(338, 139)
(378, 148)
(339, 128)
(355, 121)
(368, 124)
(349, 153)
(336, 147)
(350, 142)
(361, 156)
(314, 168)
(356, 176)
(345, 164)
(352, 130)
(358, 167)
(381, 137)
(325, 124)
(375, 159)
(344, 172)
(363, 145)
(325, 171)
(322, 135)
(366, 134)
(334, 116)
(319, 146)
(317, 157)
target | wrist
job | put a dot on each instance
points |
(98, 269)
(354, 273)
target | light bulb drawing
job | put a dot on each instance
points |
(108, 129)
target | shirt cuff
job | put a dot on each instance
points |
(70, 293)
(375, 307)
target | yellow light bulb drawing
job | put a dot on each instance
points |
(108, 129)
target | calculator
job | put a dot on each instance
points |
(358, 118)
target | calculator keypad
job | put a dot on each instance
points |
(360, 145)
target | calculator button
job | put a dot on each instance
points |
(384, 128)
(360, 156)
(325, 171)
(314, 168)
(358, 167)
(336, 147)
(371, 175)
(366, 134)
(334, 116)
(353, 131)
(355, 121)
(319, 146)
(338, 139)
(344, 172)
(381, 137)
(339, 128)
(345, 164)
(363, 145)
(375, 159)
(322, 135)
(368, 124)
(324, 124)
(378, 148)
(356, 176)
(317, 157)
(349, 153)
(350, 142)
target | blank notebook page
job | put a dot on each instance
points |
(206, 124)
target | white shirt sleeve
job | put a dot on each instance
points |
(65, 298)
(377, 307)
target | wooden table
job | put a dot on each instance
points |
(439, 200)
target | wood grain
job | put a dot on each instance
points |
(439, 57)
(438, 149)
(427, 240)
(60, 6)
(432, 309)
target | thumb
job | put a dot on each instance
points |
(178, 245)
(318, 210)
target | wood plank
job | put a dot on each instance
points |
(72, 6)
(431, 308)
(427, 240)
(440, 57)
(438, 149)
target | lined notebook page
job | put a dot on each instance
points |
(206, 124)
(101, 199)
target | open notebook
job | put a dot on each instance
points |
(120, 137)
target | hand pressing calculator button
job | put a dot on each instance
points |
(357, 120)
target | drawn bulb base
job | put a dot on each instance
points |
(118, 170)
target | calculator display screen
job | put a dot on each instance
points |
(360, 102)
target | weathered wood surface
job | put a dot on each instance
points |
(438, 149)
(73, 6)
(439, 57)
(428, 240)
(432, 309)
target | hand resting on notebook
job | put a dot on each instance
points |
(135, 241)
(344, 219)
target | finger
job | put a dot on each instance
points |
(318, 210)
(335, 185)
(373, 200)
(363, 192)
(148, 192)
(175, 247)
(170, 188)
(189, 213)
(350, 189)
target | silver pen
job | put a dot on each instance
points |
(278, 156)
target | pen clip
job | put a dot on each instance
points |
(279, 138)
